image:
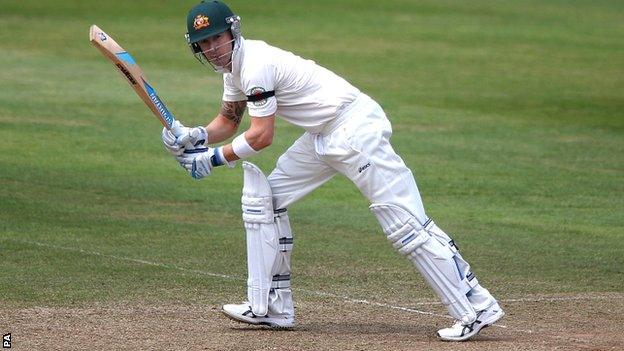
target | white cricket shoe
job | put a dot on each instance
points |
(242, 313)
(461, 332)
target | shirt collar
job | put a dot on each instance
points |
(237, 55)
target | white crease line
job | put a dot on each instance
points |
(566, 298)
(170, 266)
(604, 296)
(405, 309)
(149, 263)
(313, 292)
(366, 302)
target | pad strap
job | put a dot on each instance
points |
(281, 268)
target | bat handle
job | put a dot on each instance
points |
(175, 130)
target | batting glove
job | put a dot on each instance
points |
(196, 137)
(199, 162)
(181, 138)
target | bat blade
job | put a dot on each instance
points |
(130, 70)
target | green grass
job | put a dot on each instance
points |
(511, 115)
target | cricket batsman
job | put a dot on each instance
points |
(346, 132)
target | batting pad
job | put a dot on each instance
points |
(433, 259)
(262, 237)
(468, 278)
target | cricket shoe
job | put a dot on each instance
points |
(242, 313)
(461, 332)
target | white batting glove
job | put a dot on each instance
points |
(169, 141)
(198, 165)
(197, 136)
(181, 138)
(199, 162)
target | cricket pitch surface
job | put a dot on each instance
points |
(545, 322)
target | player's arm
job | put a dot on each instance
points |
(247, 144)
(222, 127)
(225, 125)
(257, 137)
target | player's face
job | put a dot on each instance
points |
(218, 49)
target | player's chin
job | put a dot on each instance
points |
(219, 62)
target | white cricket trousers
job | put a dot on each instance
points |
(356, 144)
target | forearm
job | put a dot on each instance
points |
(227, 121)
(255, 144)
(228, 150)
(220, 129)
(257, 137)
(224, 126)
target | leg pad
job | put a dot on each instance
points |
(434, 260)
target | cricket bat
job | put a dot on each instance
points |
(132, 72)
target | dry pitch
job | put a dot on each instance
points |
(563, 322)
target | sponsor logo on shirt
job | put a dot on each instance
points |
(363, 168)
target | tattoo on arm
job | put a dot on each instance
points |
(233, 110)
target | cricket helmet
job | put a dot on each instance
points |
(209, 18)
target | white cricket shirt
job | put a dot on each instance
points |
(306, 94)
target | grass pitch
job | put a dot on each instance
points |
(509, 114)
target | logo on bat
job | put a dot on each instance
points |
(200, 22)
(102, 36)
(160, 106)
(126, 73)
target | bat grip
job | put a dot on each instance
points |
(189, 146)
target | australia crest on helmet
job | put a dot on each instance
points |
(201, 21)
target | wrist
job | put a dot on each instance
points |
(218, 159)
(241, 147)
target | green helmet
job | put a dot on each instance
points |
(209, 18)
